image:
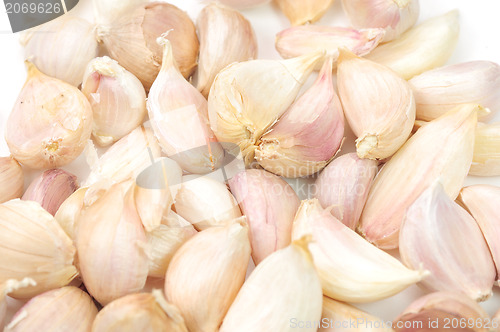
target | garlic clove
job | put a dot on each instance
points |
(11, 179)
(243, 3)
(269, 204)
(59, 310)
(6, 288)
(441, 149)
(308, 135)
(424, 47)
(50, 123)
(69, 211)
(350, 268)
(486, 160)
(225, 36)
(382, 127)
(301, 12)
(209, 268)
(108, 11)
(343, 186)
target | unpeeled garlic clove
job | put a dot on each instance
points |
(6, 288)
(243, 3)
(382, 127)
(50, 123)
(69, 211)
(308, 135)
(343, 186)
(350, 268)
(441, 149)
(486, 160)
(11, 179)
(59, 310)
(225, 36)
(208, 268)
(301, 12)
(106, 12)
(269, 204)
(424, 47)
(117, 98)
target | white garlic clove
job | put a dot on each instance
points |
(486, 160)
(69, 211)
(301, 12)
(243, 3)
(5, 289)
(108, 11)
(11, 179)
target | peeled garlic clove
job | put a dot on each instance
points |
(284, 289)
(131, 40)
(343, 187)
(117, 98)
(441, 149)
(243, 3)
(424, 47)
(309, 133)
(301, 12)
(208, 268)
(269, 204)
(60, 310)
(6, 288)
(395, 16)
(139, 312)
(11, 179)
(486, 160)
(62, 47)
(381, 127)
(34, 245)
(69, 211)
(108, 11)
(439, 90)
(350, 268)
(226, 36)
(111, 245)
(50, 123)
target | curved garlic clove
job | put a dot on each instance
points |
(225, 36)
(117, 98)
(350, 268)
(382, 127)
(424, 47)
(441, 149)
(69, 211)
(50, 123)
(11, 179)
(62, 47)
(108, 11)
(486, 160)
(301, 12)
(243, 3)
(308, 135)
(8, 287)
(343, 186)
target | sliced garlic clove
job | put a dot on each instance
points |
(424, 47)
(11, 179)
(350, 268)
(486, 160)
(69, 211)
(6, 288)
(441, 149)
(381, 127)
(301, 12)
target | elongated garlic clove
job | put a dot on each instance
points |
(486, 159)
(69, 211)
(208, 268)
(350, 268)
(308, 135)
(226, 36)
(62, 47)
(59, 310)
(424, 47)
(441, 149)
(301, 12)
(50, 123)
(108, 11)
(269, 204)
(112, 245)
(243, 3)
(117, 98)
(11, 179)
(382, 127)
(34, 245)
(8, 287)
(343, 187)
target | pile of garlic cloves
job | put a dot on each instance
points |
(225, 192)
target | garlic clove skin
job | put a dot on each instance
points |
(59, 310)
(50, 123)
(208, 268)
(5, 289)
(308, 135)
(301, 12)
(69, 211)
(422, 48)
(442, 149)
(486, 160)
(106, 12)
(117, 98)
(350, 268)
(395, 16)
(382, 128)
(61, 48)
(343, 186)
(241, 4)
(11, 179)
(225, 36)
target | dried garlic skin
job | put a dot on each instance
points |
(486, 160)
(11, 179)
(8, 287)
(301, 12)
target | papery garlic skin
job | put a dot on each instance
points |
(108, 11)
(343, 186)
(117, 98)
(442, 149)
(243, 3)
(381, 127)
(301, 12)
(486, 159)
(11, 179)
(59, 310)
(8, 287)
(62, 47)
(34, 245)
(50, 123)
(225, 36)
(422, 48)
(350, 268)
